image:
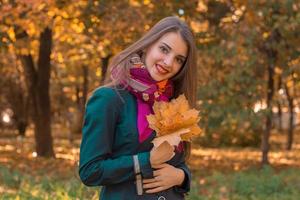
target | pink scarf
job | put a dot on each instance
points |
(147, 91)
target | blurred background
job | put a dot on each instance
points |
(54, 53)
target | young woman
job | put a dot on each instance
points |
(116, 150)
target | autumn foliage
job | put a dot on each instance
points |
(175, 117)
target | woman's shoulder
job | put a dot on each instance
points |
(106, 91)
(109, 93)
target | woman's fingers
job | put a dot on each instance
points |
(158, 189)
(152, 185)
(156, 174)
(159, 166)
(150, 180)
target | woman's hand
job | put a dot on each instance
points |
(165, 177)
(161, 154)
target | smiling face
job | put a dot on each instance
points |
(165, 57)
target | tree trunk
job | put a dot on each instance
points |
(43, 138)
(18, 99)
(104, 67)
(85, 87)
(21, 111)
(265, 137)
(279, 116)
(279, 106)
(25, 100)
(38, 87)
(291, 118)
(82, 100)
(271, 56)
(77, 95)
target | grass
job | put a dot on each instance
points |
(21, 186)
(255, 184)
(218, 174)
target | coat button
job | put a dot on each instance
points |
(161, 198)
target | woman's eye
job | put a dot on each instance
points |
(180, 61)
(164, 49)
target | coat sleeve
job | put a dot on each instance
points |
(185, 187)
(97, 167)
(178, 161)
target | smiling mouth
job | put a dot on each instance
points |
(161, 69)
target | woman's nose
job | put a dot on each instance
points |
(168, 61)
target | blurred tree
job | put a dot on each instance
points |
(228, 99)
(38, 79)
(244, 51)
(23, 23)
(279, 42)
(12, 90)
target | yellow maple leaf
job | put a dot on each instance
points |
(170, 117)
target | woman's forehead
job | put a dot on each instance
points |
(175, 41)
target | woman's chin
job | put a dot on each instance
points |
(157, 77)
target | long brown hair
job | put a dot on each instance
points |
(184, 81)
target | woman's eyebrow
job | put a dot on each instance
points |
(167, 45)
(181, 56)
(171, 48)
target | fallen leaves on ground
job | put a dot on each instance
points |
(206, 160)
(18, 153)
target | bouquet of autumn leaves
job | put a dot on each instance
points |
(174, 121)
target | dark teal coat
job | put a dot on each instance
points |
(110, 139)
